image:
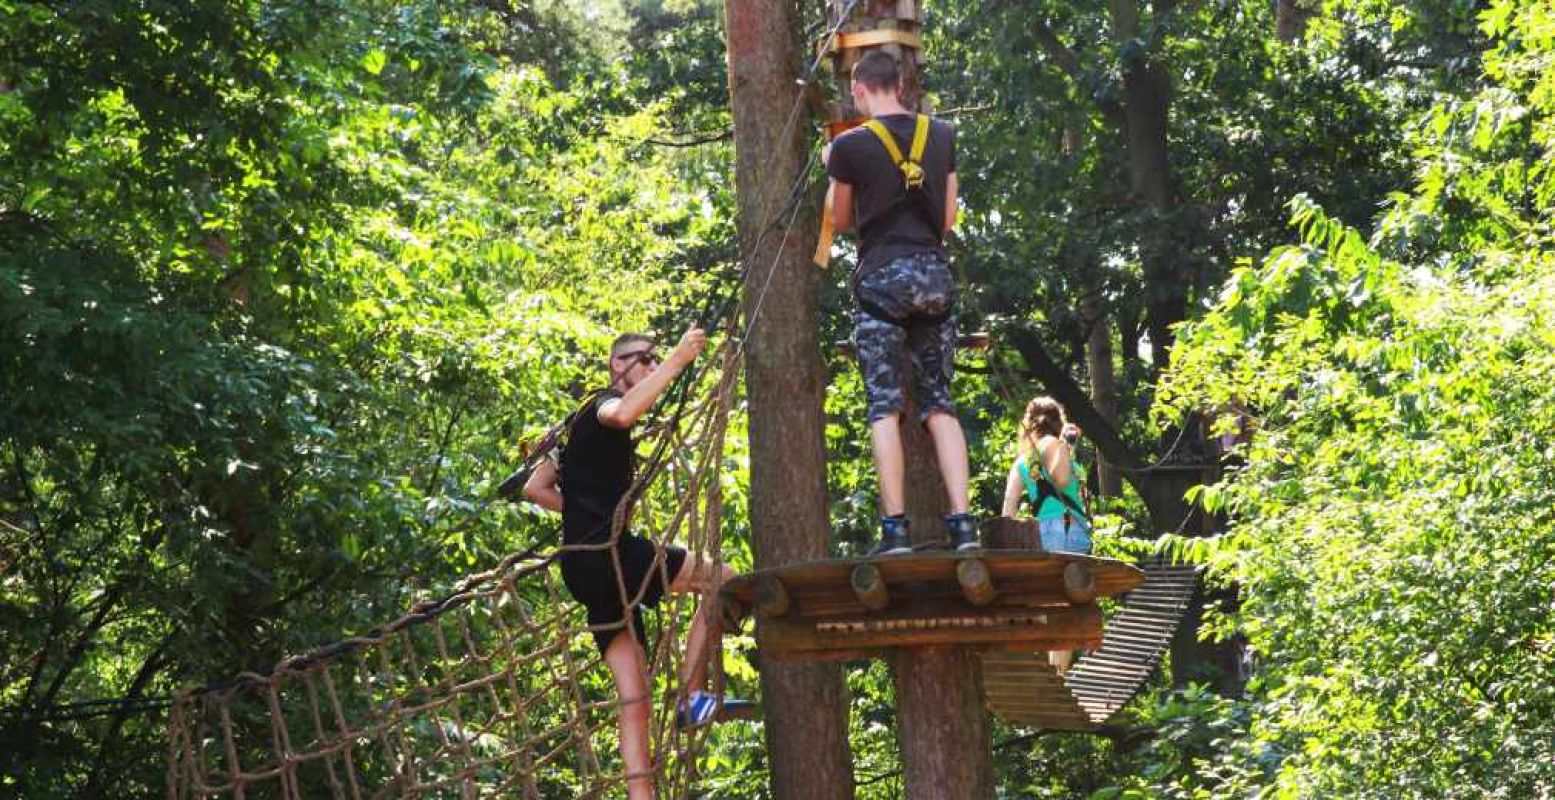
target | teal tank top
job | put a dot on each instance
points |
(1052, 507)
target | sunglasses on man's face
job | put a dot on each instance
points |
(645, 357)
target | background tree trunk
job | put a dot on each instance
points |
(805, 704)
(1104, 389)
(1290, 20)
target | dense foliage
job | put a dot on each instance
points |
(285, 287)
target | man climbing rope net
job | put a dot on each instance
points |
(903, 204)
(613, 572)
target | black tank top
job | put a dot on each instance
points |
(596, 472)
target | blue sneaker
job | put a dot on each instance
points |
(702, 709)
(893, 537)
(963, 531)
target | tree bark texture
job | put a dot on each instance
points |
(1104, 389)
(1290, 21)
(806, 704)
(942, 724)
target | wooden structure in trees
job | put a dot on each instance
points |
(1017, 600)
(1009, 606)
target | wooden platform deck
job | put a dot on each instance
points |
(1018, 600)
(1012, 606)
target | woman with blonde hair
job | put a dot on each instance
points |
(1052, 486)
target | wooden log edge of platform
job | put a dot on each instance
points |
(790, 639)
(870, 587)
(976, 582)
(1079, 583)
(771, 597)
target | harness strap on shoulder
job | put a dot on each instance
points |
(920, 139)
(878, 128)
(911, 167)
(1045, 489)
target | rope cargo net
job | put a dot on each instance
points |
(491, 691)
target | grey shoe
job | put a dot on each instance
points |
(963, 531)
(893, 537)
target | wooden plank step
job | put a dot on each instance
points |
(1113, 661)
(1156, 606)
(1119, 690)
(1116, 690)
(1069, 704)
(1174, 581)
(1130, 630)
(1080, 725)
(1170, 607)
(1119, 667)
(1143, 596)
(1129, 647)
(1151, 648)
(1132, 654)
(1016, 700)
(1122, 625)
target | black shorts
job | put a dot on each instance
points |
(590, 576)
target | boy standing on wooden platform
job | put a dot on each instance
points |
(895, 176)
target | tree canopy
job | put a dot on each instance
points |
(287, 289)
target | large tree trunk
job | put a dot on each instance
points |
(1147, 100)
(1104, 388)
(806, 704)
(941, 716)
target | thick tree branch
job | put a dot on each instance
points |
(695, 139)
(1056, 50)
(1069, 62)
(1074, 399)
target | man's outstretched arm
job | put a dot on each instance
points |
(624, 411)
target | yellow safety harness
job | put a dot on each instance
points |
(912, 166)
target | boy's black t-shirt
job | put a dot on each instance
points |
(596, 472)
(860, 159)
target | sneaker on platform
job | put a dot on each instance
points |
(963, 531)
(893, 537)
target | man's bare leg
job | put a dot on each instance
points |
(886, 435)
(700, 576)
(629, 666)
(950, 451)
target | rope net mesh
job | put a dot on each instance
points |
(492, 691)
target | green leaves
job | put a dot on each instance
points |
(1395, 576)
(374, 60)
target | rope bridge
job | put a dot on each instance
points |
(490, 691)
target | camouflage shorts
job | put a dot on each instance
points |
(919, 292)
